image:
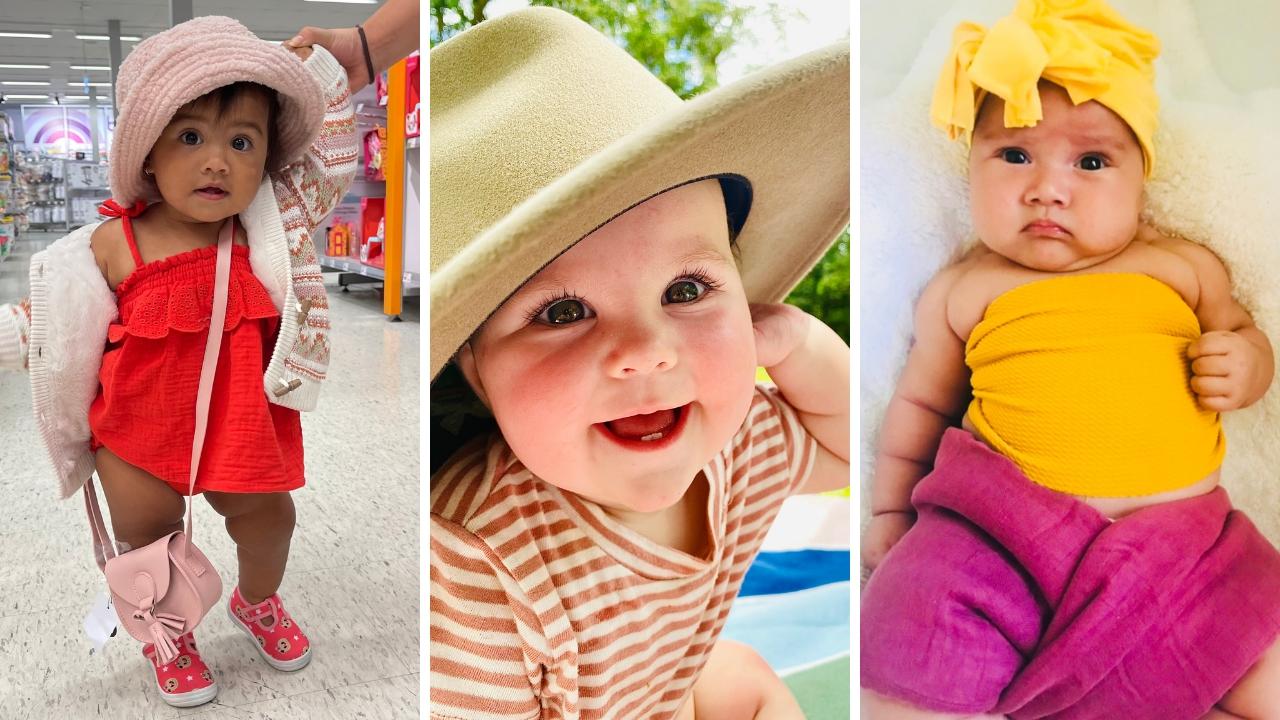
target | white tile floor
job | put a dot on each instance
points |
(353, 577)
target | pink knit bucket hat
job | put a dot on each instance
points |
(172, 68)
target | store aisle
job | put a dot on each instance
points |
(353, 577)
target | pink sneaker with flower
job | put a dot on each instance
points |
(278, 638)
(186, 681)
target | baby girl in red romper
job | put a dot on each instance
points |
(216, 128)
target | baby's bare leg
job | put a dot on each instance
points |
(143, 507)
(1257, 695)
(262, 526)
(737, 684)
(876, 707)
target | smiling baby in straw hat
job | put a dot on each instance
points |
(1066, 550)
(597, 245)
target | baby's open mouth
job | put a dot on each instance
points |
(213, 193)
(647, 431)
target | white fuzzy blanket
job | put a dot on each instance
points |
(1217, 182)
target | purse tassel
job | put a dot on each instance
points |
(164, 629)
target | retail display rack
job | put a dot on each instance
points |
(372, 235)
(9, 216)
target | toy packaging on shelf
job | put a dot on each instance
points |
(372, 230)
(8, 233)
(87, 175)
(412, 103)
(375, 144)
(380, 87)
(41, 189)
(343, 231)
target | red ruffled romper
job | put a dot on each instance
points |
(145, 408)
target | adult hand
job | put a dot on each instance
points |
(343, 44)
(302, 51)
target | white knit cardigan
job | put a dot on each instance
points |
(71, 304)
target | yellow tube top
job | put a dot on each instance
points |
(1084, 383)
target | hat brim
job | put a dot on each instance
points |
(784, 129)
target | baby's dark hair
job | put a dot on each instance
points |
(227, 95)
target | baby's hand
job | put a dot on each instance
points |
(303, 52)
(779, 329)
(1224, 366)
(885, 530)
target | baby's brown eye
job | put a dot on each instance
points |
(1014, 156)
(1092, 162)
(683, 291)
(564, 312)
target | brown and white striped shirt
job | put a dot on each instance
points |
(543, 606)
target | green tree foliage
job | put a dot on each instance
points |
(679, 41)
(824, 292)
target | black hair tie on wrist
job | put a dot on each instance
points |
(368, 61)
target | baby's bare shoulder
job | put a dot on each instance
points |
(108, 245)
(1192, 252)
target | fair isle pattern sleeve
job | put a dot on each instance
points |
(15, 326)
(305, 192)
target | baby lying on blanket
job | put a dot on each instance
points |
(1068, 552)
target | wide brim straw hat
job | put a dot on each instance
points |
(543, 130)
(174, 67)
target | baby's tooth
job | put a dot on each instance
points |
(651, 437)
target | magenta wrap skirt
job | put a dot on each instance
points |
(1010, 598)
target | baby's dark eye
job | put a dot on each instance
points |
(189, 137)
(684, 291)
(1092, 162)
(242, 144)
(1014, 156)
(564, 312)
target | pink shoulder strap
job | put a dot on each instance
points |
(104, 548)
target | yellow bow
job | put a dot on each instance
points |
(1082, 45)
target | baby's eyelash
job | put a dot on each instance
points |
(549, 300)
(700, 274)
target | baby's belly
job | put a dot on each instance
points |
(1116, 507)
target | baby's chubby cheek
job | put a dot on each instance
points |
(721, 355)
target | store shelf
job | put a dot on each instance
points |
(410, 280)
(350, 265)
(411, 143)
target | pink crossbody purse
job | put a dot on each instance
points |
(163, 590)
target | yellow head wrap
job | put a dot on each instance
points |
(1082, 45)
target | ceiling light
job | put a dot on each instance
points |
(25, 67)
(25, 82)
(81, 67)
(126, 38)
(45, 36)
(92, 84)
(26, 97)
(101, 98)
(353, 2)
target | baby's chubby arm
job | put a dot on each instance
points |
(929, 398)
(1232, 364)
(810, 365)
